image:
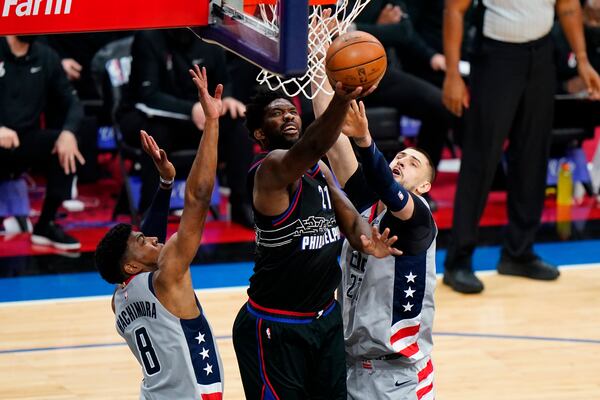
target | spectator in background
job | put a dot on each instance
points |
(427, 18)
(30, 76)
(162, 100)
(569, 80)
(511, 96)
(410, 95)
(76, 51)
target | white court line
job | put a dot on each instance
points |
(234, 289)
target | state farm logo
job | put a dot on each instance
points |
(35, 7)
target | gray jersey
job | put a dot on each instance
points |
(179, 357)
(387, 303)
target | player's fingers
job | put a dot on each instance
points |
(385, 234)
(371, 90)
(16, 142)
(144, 141)
(392, 240)
(162, 155)
(233, 111)
(361, 108)
(356, 92)
(219, 92)
(153, 144)
(366, 242)
(395, 251)
(242, 110)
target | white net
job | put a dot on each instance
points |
(322, 30)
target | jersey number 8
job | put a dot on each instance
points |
(146, 351)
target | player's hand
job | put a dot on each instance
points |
(67, 150)
(8, 138)
(591, 79)
(356, 124)
(390, 14)
(212, 106)
(351, 94)
(380, 245)
(454, 94)
(72, 68)
(234, 107)
(165, 168)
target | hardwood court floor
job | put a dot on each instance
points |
(519, 340)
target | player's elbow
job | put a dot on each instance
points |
(200, 195)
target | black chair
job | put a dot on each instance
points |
(111, 67)
(384, 124)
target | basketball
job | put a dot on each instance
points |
(356, 59)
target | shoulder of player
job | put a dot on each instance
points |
(270, 163)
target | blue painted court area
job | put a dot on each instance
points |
(90, 284)
(237, 274)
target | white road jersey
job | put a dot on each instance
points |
(179, 357)
(387, 304)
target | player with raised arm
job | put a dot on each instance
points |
(155, 306)
(288, 336)
(387, 304)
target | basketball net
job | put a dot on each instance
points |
(321, 32)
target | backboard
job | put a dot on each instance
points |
(241, 26)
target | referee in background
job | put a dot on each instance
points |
(511, 96)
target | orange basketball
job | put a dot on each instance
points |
(355, 59)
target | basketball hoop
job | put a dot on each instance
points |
(321, 32)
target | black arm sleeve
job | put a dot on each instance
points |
(59, 86)
(416, 234)
(155, 221)
(359, 192)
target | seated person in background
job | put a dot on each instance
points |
(30, 76)
(426, 17)
(410, 95)
(171, 338)
(568, 77)
(76, 51)
(162, 100)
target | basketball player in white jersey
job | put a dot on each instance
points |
(387, 304)
(155, 306)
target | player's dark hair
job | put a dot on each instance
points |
(432, 172)
(255, 110)
(110, 253)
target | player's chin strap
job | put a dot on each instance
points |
(380, 178)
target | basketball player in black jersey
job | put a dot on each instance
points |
(288, 336)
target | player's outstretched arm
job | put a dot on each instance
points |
(341, 155)
(377, 170)
(180, 250)
(155, 221)
(359, 233)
